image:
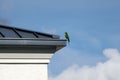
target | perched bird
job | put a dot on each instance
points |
(67, 37)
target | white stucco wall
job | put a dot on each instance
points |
(23, 72)
(24, 66)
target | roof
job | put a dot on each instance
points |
(12, 32)
(12, 37)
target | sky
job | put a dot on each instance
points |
(93, 27)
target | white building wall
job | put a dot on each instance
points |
(24, 66)
(23, 72)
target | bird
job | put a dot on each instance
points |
(67, 37)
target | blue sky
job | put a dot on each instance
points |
(93, 25)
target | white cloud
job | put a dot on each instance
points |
(109, 70)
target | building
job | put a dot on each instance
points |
(25, 54)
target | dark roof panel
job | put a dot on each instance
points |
(42, 36)
(1, 35)
(12, 32)
(26, 34)
(6, 32)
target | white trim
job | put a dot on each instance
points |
(26, 55)
(27, 61)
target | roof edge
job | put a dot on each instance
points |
(34, 42)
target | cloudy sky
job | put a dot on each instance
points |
(93, 26)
